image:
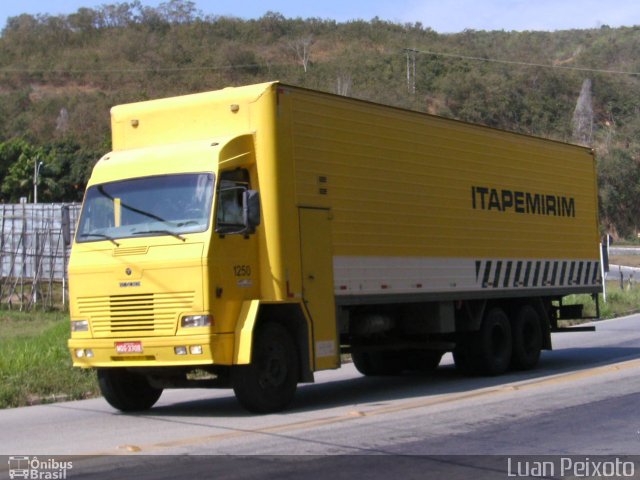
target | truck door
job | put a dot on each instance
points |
(317, 284)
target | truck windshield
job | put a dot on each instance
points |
(149, 206)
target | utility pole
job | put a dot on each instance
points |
(36, 171)
(411, 69)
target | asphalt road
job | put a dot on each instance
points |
(581, 401)
(627, 273)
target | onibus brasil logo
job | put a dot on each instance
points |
(38, 469)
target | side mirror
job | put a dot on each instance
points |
(66, 226)
(251, 210)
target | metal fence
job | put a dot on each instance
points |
(34, 253)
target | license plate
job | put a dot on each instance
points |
(129, 347)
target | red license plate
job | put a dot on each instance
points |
(129, 347)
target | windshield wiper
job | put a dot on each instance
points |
(166, 232)
(131, 208)
(100, 235)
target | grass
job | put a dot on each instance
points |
(35, 366)
(619, 302)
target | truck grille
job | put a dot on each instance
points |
(147, 314)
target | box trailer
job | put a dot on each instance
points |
(251, 236)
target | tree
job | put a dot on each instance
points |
(84, 20)
(302, 48)
(619, 178)
(66, 167)
(343, 84)
(18, 181)
(179, 11)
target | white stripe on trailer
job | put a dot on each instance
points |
(360, 275)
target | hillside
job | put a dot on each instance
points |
(61, 74)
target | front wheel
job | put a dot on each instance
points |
(268, 384)
(127, 391)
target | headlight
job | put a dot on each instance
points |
(196, 321)
(79, 325)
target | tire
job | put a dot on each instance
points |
(527, 339)
(127, 391)
(376, 363)
(494, 343)
(268, 384)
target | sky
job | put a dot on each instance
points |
(444, 16)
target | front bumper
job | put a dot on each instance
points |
(156, 351)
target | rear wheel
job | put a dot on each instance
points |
(377, 363)
(527, 338)
(394, 362)
(463, 355)
(494, 344)
(127, 391)
(423, 361)
(269, 382)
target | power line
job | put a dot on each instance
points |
(524, 64)
(139, 70)
(410, 52)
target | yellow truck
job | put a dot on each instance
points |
(248, 237)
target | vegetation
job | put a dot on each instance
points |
(35, 366)
(620, 301)
(61, 74)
